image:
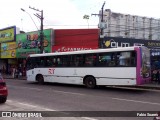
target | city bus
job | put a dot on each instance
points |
(125, 66)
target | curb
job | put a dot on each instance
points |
(154, 86)
(150, 87)
(15, 78)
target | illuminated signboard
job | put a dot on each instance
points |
(114, 42)
(7, 34)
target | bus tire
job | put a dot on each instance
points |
(40, 79)
(90, 82)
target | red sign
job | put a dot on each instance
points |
(71, 48)
(75, 40)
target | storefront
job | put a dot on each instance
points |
(29, 43)
(8, 56)
(8, 49)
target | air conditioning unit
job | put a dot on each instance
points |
(102, 25)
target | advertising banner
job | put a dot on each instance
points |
(71, 48)
(77, 37)
(7, 34)
(29, 43)
(8, 50)
(113, 42)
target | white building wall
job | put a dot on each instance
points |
(131, 26)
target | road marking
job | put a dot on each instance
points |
(144, 102)
(29, 105)
(87, 118)
(51, 89)
(26, 88)
(68, 92)
(42, 108)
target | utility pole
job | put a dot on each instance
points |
(41, 28)
(102, 17)
(101, 26)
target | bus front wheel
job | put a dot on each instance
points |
(90, 82)
(40, 79)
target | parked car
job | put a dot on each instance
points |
(3, 90)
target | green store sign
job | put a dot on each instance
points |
(29, 43)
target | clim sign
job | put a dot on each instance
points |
(117, 44)
(114, 42)
(111, 43)
(7, 34)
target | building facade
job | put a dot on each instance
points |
(8, 48)
(29, 43)
(15, 50)
(16, 46)
(130, 26)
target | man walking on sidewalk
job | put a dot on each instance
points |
(13, 72)
(158, 76)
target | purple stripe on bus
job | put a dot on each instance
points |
(139, 78)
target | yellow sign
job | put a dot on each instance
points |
(8, 50)
(7, 34)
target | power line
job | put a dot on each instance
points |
(70, 25)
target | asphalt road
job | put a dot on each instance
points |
(25, 96)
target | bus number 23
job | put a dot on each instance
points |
(51, 71)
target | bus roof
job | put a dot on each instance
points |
(86, 51)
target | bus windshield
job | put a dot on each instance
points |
(146, 67)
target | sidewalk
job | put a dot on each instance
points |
(5, 76)
(152, 85)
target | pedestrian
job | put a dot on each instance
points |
(13, 72)
(154, 75)
(16, 72)
(158, 72)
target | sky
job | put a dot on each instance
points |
(68, 14)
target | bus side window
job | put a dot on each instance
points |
(122, 60)
(65, 60)
(90, 60)
(133, 59)
(71, 61)
(48, 63)
(76, 61)
(104, 59)
(29, 64)
(34, 62)
(59, 62)
(43, 62)
(127, 59)
(79, 61)
(54, 62)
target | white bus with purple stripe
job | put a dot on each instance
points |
(115, 66)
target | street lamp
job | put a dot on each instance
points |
(41, 28)
(30, 17)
